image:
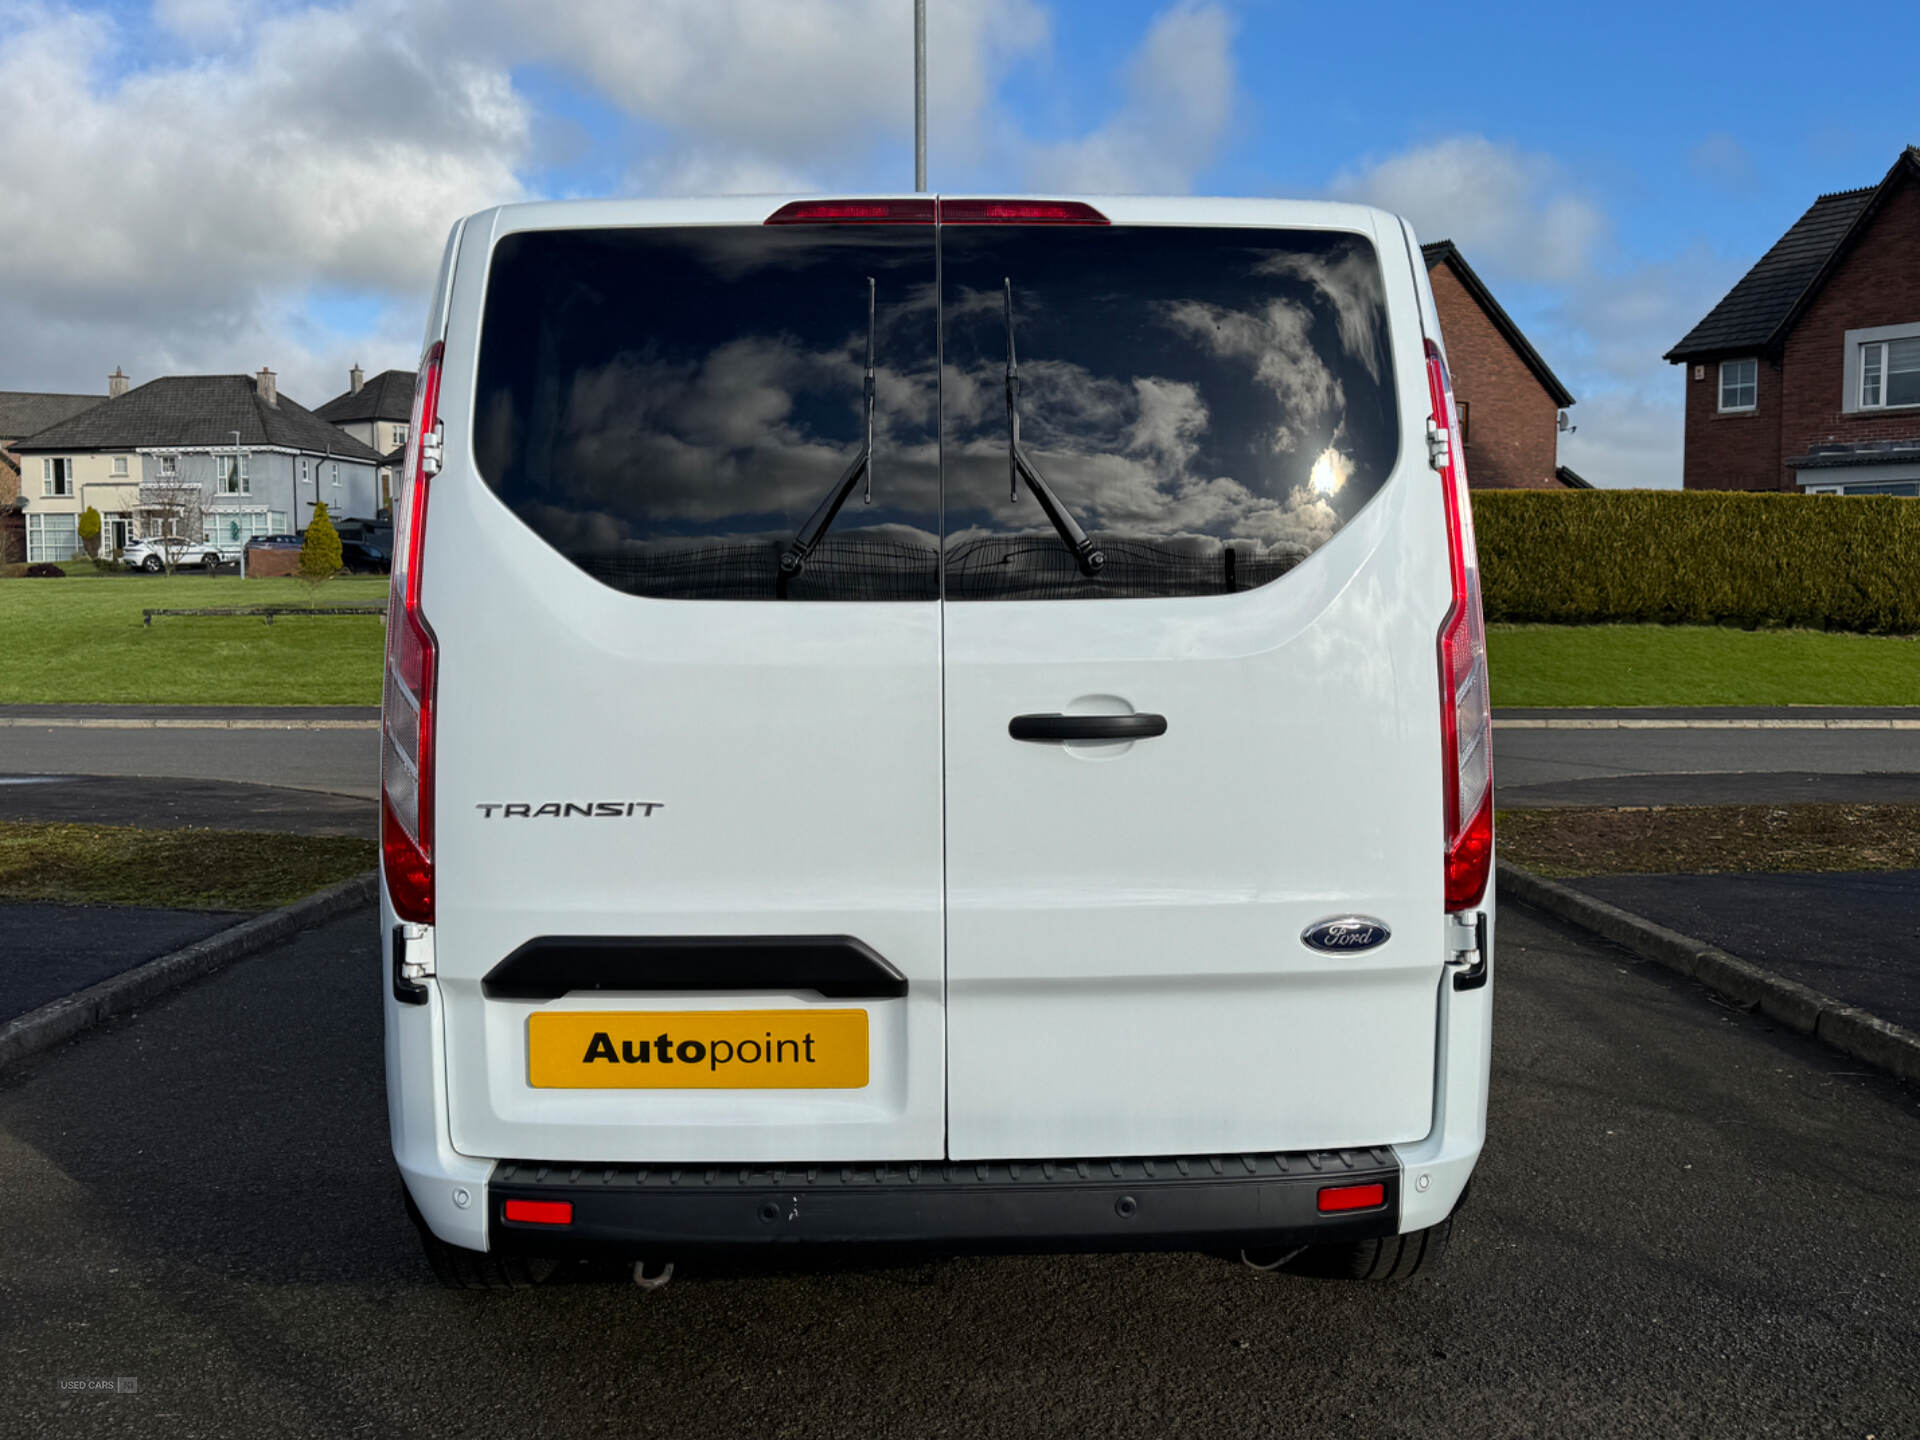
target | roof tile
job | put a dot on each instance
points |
(24, 411)
(387, 396)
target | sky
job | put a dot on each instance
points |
(209, 186)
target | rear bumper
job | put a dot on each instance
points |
(1185, 1202)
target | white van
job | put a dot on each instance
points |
(953, 722)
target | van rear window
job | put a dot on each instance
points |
(685, 413)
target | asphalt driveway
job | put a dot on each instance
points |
(1686, 1224)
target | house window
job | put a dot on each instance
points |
(399, 435)
(306, 469)
(1461, 407)
(52, 537)
(56, 478)
(236, 527)
(119, 464)
(169, 466)
(336, 474)
(1739, 384)
(231, 474)
(1890, 373)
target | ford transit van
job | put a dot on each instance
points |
(952, 722)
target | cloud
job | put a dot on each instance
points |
(1600, 317)
(1180, 96)
(751, 90)
(197, 204)
(1628, 436)
(1508, 208)
(174, 217)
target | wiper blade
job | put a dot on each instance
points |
(794, 558)
(1086, 555)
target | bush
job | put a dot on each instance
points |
(89, 528)
(1588, 557)
(45, 570)
(320, 551)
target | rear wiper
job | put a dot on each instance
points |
(794, 558)
(1085, 555)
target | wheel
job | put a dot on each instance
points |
(459, 1268)
(1392, 1259)
(152, 565)
(209, 562)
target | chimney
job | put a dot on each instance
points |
(356, 377)
(266, 388)
(116, 384)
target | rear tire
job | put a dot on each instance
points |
(1389, 1260)
(152, 565)
(459, 1268)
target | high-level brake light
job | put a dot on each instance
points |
(1019, 212)
(855, 212)
(1466, 709)
(406, 715)
(928, 211)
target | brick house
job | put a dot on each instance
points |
(376, 412)
(1806, 376)
(1510, 402)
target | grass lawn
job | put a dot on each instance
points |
(172, 869)
(1711, 839)
(1699, 665)
(80, 640)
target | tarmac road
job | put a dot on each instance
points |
(279, 746)
(1686, 1224)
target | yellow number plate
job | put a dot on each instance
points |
(698, 1050)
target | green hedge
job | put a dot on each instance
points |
(1700, 558)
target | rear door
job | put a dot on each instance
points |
(649, 729)
(1215, 406)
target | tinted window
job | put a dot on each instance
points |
(1208, 405)
(668, 407)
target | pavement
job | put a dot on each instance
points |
(1854, 936)
(53, 950)
(1686, 1223)
(330, 748)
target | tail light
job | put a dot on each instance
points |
(1466, 706)
(406, 712)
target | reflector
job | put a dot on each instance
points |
(540, 1212)
(1352, 1197)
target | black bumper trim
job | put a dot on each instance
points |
(836, 966)
(1158, 1203)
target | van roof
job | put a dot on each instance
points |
(1121, 209)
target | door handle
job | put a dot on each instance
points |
(1087, 727)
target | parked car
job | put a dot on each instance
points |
(366, 546)
(151, 553)
(1081, 841)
